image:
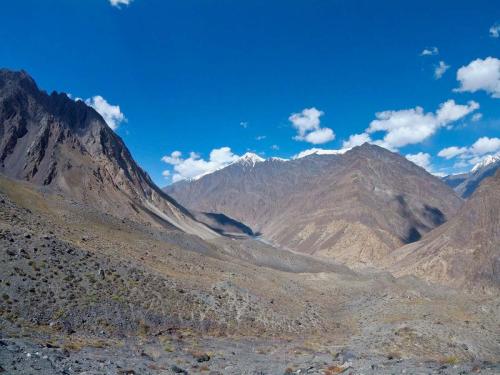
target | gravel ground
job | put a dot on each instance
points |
(220, 356)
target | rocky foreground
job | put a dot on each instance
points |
(185, 353)
(83, 292)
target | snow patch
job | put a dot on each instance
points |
(319, 151)
(249, 159)
(488, 160)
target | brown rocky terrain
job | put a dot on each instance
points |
(86, 292)
(464, 252)
(356, 207)
(53, 141)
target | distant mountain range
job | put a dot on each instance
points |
(356, 207)
(466, 183)
(66, 146)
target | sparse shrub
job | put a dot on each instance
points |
(143, 329)
(166, 344)
(58, 314)
(76, 344)
(450, 360)
(118, 298)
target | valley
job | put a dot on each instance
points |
(80, 285)
(358, 263)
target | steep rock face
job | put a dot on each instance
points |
(356, 207)
(464, 252)
(53, 141)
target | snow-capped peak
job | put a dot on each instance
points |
(318, 151)
(276, 158)
(490, 159)
(249, 159)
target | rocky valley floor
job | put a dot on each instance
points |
(86, 292)
(185, 353)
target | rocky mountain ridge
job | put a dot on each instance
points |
(356, 207)
(63, 145)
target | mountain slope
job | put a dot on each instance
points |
(466, 183)
(464, 252)
(52, 141)
(356, 207)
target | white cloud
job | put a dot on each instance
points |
(495, 30)
(384, 144)
(449, 111)
(119, 3)
(430, 51)
(194, 166)
(421, 159)
(476, 117)
(165, 173)
(461, 164)
(483, 148)
(320, 136)
(222, 156)
(244, 124)
(275, 147)
(174, 158)
(411, 126)
(110, 113)
(307, 124)
(307, 120)
(480, 75)
(440, 69)
(356, 140)
(260, 137)
(451, 152)
(485, 145)
(404, 126)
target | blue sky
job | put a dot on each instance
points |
(194, 76)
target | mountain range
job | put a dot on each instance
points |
(356, 207)
(360, 207)
(466, 183)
